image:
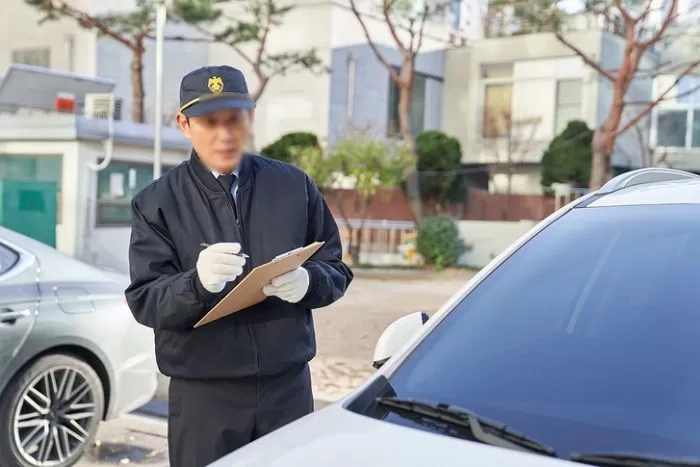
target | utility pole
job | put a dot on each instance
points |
(161, 17)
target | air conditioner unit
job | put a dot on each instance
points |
(99, 105)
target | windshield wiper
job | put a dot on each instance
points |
(498, 435)
(632, 460)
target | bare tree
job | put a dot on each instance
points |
(407, 30)
(510, 149)
(638, 41)
(254, 26)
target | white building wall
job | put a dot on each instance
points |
(299, 101)
(71, 48)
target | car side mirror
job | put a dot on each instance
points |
(396, 335)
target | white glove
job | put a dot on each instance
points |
(219, 264)
(290, 287)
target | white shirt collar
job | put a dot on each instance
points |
(216, 174)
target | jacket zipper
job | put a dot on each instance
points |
(246, 268)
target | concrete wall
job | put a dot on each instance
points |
(359, 93)
(488, 239)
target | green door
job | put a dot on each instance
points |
(29, 207)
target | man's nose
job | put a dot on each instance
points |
(225, 132)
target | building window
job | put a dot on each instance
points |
(116, 185)
(8, 258)
(671, 128)
(497, 110)
(36, 57)
(498, 99)
(44, 168)
(568, 103)
(417, 106)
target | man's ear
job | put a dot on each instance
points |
(183, 123)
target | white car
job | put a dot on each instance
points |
(579, 344)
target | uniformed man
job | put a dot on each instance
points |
(240, 377)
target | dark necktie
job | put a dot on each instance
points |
(228, 182)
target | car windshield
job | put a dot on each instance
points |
(586, 339)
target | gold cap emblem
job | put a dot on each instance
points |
(215, 84)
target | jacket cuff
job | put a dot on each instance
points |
(203, 295)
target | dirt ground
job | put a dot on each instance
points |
(348, 330)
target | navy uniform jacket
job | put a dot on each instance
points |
(279, 208)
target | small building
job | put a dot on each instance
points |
(71, 151)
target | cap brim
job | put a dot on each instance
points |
(212, 105)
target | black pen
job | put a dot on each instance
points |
(242, 255)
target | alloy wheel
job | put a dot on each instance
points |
(54, 416)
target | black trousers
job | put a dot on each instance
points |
(209, 419)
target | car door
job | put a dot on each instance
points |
(19, 294)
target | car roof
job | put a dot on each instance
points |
(669, 192)
(650, 185)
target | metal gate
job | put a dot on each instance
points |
(30, 208)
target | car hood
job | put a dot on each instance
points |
(335, 436)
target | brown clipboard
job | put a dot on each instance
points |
(249, 291)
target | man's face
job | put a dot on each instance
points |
(220, 137)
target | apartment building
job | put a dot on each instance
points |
(506, 98)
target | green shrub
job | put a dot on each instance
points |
(439, 242)
(439, 163)
(280, 149)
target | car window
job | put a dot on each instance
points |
(8, 258)
(587, 338)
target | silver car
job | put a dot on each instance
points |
(71, 354)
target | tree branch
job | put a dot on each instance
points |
(392, 71)
(587, 60)
(421, 30)
(386, 11)
(656, 37)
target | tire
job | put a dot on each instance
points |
(56, 429)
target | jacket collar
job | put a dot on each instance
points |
(206, 177)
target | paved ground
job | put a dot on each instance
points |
(346, 333)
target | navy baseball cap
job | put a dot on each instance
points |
(211, 88)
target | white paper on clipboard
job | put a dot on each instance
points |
(290, 252)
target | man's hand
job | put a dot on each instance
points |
(219, 264)
(290, 287)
